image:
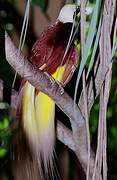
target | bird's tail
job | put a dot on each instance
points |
(38, 115)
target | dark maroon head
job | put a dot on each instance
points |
(49, 50)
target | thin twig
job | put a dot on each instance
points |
(98, 76)
(83, 23)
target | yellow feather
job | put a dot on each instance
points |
(45, 110)
(45, 106)
(28, 110)
(58, 75)
(42, 102)
(38, 115)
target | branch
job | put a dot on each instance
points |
(63, 133)
(41, 81)
(100, 71)
(44, 83)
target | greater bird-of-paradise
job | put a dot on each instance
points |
(38, 109)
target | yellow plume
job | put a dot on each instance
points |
(38, 115)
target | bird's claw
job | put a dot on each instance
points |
(52, 80)
(60, 87)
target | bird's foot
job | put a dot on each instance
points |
(60, 87)
(53, 81)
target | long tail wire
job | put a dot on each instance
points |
(70, 40)
(23, 35)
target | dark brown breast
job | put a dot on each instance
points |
(49, 49)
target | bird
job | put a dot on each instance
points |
(49, 54)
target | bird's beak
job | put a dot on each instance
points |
(66, 13)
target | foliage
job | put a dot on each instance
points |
(90, 51)
(5, 134)
(41, 3)
(89, 42)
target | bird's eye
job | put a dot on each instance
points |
(77, 10)
(76, 15)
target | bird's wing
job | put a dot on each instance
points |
(48, 51)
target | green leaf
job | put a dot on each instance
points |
(95, 47)
(3, 152)
(89, 42)
(41, 3)
(4, 123)
(115, 46)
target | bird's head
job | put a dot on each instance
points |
(67, 13)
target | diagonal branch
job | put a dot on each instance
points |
(63, 133)
(44, 83)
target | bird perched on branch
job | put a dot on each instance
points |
(51, 55)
